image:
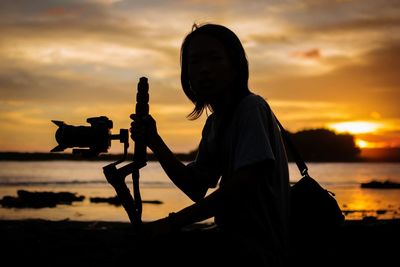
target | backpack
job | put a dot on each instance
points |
(315, 215)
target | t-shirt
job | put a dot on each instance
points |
(258, 218)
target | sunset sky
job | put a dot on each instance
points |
(319, 63)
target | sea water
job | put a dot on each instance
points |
(86, 178)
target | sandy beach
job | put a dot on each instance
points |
(97, 243)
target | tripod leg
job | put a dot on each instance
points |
(127, 201)
(117, 179)
(136, 194)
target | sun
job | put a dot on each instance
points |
(364, 144)
(355, 127)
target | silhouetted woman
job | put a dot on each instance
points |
(241, 152)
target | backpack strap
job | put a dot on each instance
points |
(301, 165)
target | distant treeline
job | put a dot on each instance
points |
(323, 145)
(315, 145)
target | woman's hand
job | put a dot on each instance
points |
(144, 129)
(157, 229)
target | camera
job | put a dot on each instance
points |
(96, 138)
(90, 140)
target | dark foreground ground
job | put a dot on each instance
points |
(72, 243)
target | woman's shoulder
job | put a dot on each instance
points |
(209, 124)
(253, 102)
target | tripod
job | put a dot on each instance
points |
(116, 177)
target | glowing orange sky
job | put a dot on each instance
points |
(317, 62)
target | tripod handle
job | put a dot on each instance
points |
(141, 110)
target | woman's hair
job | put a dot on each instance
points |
(236, 55)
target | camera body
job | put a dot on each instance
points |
(95, 138)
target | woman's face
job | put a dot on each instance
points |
(211, 73)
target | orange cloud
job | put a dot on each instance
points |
(313, 54)
(56, 11)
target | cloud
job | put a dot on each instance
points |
(312, 54)
(363, 85)
(316, 61)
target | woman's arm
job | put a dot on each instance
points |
(179, 173)
(246, 178)
(182, 176)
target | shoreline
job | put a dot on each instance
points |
(182, 156)
(103, 243)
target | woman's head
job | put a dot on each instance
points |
(212, 61)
